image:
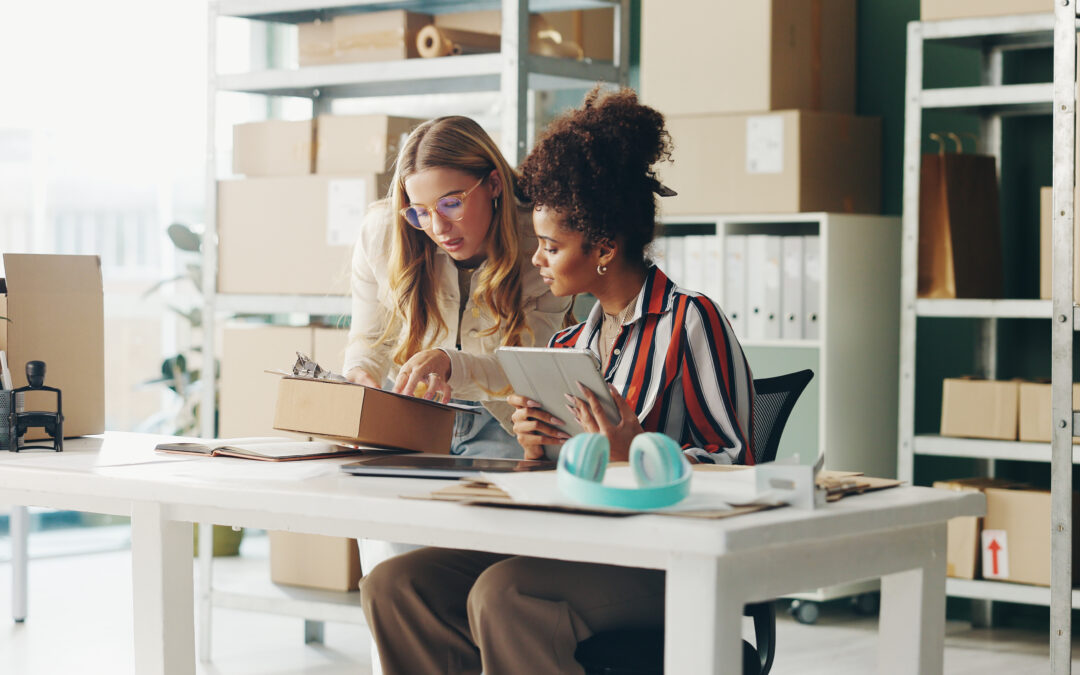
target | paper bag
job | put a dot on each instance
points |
(959, 227)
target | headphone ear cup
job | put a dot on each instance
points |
(585, 456)
(656, 459)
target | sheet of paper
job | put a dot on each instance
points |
(229, 468)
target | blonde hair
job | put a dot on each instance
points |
(453, 143)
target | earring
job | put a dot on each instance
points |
(495, 203)
(601, 270)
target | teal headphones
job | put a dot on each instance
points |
(661, 470)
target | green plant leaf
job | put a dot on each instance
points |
(184, 238)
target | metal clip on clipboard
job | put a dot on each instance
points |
(17, 422)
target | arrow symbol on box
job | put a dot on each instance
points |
(994, 548)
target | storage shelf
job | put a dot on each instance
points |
(977, 448)
(451, 74)
(309, 603)
(301, 11)
(984, 309)
(321, 305)
(1026, 31)
(1007, 99)
(1003, 591)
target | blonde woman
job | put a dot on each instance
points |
(441, 277)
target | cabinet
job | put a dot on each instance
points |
(512, 72)
(990, 102)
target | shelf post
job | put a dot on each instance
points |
(909, 250)
(1062, 334)
(515, 78)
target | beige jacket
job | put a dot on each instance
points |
(475, 370)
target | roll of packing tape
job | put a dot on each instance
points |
(433, 42)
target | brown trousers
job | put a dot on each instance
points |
(436, 611)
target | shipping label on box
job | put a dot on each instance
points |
(353, 413)
(995, 554)
(765, 144)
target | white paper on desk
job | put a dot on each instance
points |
(228, 468)
(716, 491)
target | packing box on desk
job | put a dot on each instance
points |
(1017, 525)
(291, 235)
(360, 143)
(55, 308)
(1035, 418)
(785, 162)
(933, 10)
(273, 148)
(974, 408)
(352, 413)
(724, 57)
(377, 36)
(314, 561)
(962, 557)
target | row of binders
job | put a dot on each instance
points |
(767, 285)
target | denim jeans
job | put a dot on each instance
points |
(481, 435)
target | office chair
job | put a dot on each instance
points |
(641, 651)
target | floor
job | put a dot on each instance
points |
(80, 621)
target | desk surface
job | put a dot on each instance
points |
(315, 496)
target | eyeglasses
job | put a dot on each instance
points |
(450, 207)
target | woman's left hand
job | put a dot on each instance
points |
(591, 416)
(425, 375)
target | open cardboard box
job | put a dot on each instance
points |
(352, 413)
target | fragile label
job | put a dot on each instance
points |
(765, 144)
(346, 203)
(995, 554)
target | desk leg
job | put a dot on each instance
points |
(703, 612)
(912, 621)
(20, 560)
(164, 591)
(206, 589)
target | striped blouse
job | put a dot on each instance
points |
(680, 367)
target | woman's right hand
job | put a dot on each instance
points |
(361, 376)
(535, 427)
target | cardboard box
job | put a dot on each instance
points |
(291, 235)
(377, 36)
(973, 408)
(725, 57)
(785, 162)
(315, 43)
(314, 561)
(1023, 553)
(273, 148)
(352, 413)
(349, 144)
(933, 10)
(56, 309)
(248, 393)
(1046, 245)
(962, 556)
(1035, 422)
(593, 30)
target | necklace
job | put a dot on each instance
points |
(612, 326)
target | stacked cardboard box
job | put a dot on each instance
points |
(759, 99)
(289, 226)
(962, 553)
(933, 10)
(1001, 410)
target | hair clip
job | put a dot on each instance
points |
(663, 190)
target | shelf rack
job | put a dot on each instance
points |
(512, 72)
(991, 101)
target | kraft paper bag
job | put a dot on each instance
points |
(959, 227)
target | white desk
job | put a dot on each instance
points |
(714, 567)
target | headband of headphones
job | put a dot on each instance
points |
(660, 469)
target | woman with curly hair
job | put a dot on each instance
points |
(675, 367)
(441, 278)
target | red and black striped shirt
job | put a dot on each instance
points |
(680, 367)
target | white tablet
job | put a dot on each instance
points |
(547, 375)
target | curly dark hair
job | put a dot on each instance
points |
(593, 165)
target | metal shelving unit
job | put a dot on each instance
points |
(991, 101)
(512, 72)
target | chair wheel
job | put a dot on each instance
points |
(866, 604)
(804, 611)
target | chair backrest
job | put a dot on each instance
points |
(774, 397)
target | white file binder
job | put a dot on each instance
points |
(734, 299)
(811, 287)
(696, 276)
(715, 268)
(763, 287)
(791, 294)
(676, 260)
